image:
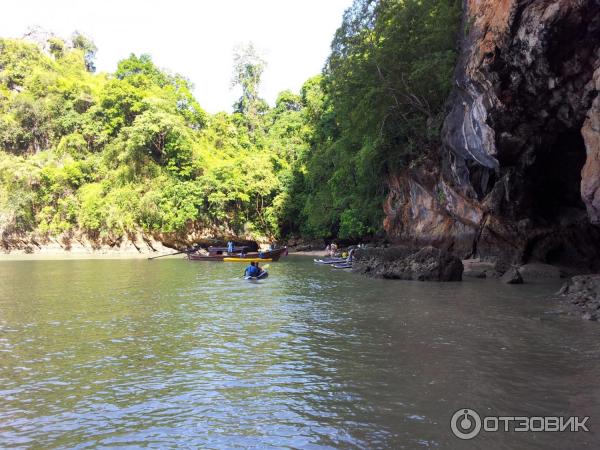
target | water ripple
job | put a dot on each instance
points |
(169, 353)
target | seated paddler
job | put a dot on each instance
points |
(252, 270)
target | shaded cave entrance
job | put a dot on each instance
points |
(555, 180)
(563, 234)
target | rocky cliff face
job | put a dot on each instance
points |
(518, 175)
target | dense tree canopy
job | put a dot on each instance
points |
(377, 109)
(108, 154)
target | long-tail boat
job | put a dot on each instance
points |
(219, 253)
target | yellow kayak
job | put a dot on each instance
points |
(247, 259)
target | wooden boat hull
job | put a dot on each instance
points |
(271, 255)
(196, 257)
(274, 255)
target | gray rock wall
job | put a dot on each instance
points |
(518, 175)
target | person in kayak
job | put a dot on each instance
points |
(260, 271)
(252, 270)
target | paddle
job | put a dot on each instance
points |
(193, 249)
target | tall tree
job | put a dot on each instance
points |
(248, 67)
(89, 49)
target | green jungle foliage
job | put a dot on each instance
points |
(381, 110)
(108, 154)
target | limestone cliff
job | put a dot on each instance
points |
(518, 174)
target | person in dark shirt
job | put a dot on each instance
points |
(252, 270)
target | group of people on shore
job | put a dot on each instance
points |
(333, 251)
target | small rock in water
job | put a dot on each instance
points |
(589, 316)
(564, 289)
(512, 276)
(408, 263)
(536, 270)
(475, 273)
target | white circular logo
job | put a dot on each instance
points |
(465, 423)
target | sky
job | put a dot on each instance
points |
(195, 38)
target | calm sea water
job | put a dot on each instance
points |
(176, 354)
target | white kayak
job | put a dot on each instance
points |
(330, 261)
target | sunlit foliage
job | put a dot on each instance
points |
(108, 154)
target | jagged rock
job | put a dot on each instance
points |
(302, 248)
(82, 244)
(406, 263)
(476, 268)
(302, 245)
(524, 120)
(537, 271)
(582, 296)
(134, 244)
(512, 276)
(416, 212)
(590, 175)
